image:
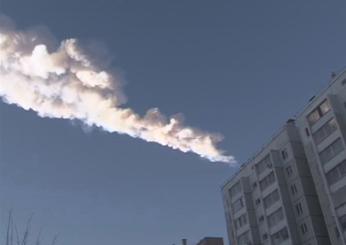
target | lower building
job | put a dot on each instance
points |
(211, 241)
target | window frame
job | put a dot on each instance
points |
(233, 204)
(303, 228)
(235, 189)
(270, 198)
(319, 112)
(240, 221)
(337, 173)
(294, 189)
(280, 236)
(245, 238)
(325, 131)
(275, 217)
(330, 148)
(267, 181)
(263, 164)
(299, 208)
(289, 170)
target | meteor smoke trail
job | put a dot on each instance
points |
(66, 82)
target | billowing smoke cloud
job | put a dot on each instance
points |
(67, 82)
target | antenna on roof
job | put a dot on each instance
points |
(312, 98)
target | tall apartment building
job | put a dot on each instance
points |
(272, 199)
(322, 126)
(294, 190)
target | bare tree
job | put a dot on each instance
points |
(14, 237)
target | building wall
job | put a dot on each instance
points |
(332, 196)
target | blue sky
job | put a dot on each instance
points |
(241, 68)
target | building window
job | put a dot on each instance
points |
(267, 181)
(261, 218)
(307, 132)
(303, 228)
(258, 201)
(313, 117)
(294, 189)
(240, 222)
(275, 217)
(280, 236)
(337, 233)
(319, 112)
(237, 205)
(265, 236)
(284, 154)
(331, 151)
(263, 164)
(235, 189)
(326, 130)
(299, 209)
(271, 198)
(324, 107)
(289, 171)
(342, 220)
(244, 239)
(337, 173)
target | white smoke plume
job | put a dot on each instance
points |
(67, 82)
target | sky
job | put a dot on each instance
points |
(240, 68)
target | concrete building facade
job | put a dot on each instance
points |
(294, 190)
(322, 126)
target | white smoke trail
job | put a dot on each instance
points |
(67, 83)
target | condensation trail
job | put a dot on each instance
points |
(66, 82)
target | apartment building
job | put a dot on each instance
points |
(294, 190)
(272, 199)
(211, 241)
(322, 126)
